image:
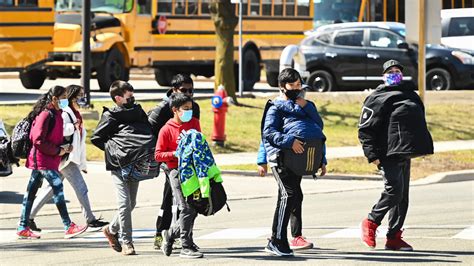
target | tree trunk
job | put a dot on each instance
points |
(223, 16)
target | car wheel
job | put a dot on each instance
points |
(321, 81)
(438, 79)
(111, 70)
(32, 79)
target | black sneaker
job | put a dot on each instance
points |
(97, 224)
(278, 247)
(32, 226)
(190, 253)
(167, 244)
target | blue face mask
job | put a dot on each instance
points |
(186, 116)
(392, 78)
(63, 103)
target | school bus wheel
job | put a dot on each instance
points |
(272, 79)
(112, 69)
(250, 69)
(32, 79)
(163, 76)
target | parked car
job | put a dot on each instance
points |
(351, 55)
(458, 28)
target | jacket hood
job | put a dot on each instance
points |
(125, 115)
(173, 123)
(287, 106)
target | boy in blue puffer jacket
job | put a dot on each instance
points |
(288, 123)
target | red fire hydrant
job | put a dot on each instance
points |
(220, 103)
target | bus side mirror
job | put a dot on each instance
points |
(403, 45)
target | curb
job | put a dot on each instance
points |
(326, 177)
(447, 177)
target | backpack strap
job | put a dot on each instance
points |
(51, 121)
(265, 110)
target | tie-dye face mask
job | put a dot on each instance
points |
(392, 78)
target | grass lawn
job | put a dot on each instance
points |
(451, 121)
(421, 167)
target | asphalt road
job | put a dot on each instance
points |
(440, 226)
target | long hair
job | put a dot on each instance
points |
(71, 93)
(44, 100)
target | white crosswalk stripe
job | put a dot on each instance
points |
(467, 233)
(144, 235)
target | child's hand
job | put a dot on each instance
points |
(262, 170)
(323, 170)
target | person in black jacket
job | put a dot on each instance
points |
(157, 118)
(392, 130)
(126, 137)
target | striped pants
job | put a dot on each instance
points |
(290, 199)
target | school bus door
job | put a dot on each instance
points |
(142, 33)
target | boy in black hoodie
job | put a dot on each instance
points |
(125, 135)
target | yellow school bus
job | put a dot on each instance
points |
(26, 33)
(173, 36)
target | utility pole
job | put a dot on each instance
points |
(86, 49)
(421, 50)
(241, 85)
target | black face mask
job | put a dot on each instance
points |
(130, 103)
(292, 94)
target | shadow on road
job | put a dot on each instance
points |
(10, 197)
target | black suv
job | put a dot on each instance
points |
(351, 55)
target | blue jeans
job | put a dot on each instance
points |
(36, 179)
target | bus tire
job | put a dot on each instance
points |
(438, 79)
(250, 70)
(32, 79)
(272, 79)
(163, 77)
(321, 81)
(111, 70)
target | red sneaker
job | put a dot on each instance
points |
(74, 230)
(300, 242)
(369, 230)
(27, 234)
(396, 243)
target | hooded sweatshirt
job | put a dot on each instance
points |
(168, 139)
(44, 155)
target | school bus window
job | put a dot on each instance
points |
(165, 6)
(28, 2)
(144, 7)
(290, 8)
(303, 7)
(267, 7)
(278, 8)
(254, 7)
(205, 7)
(192, 7)
(245, 8)
(179, 7)
(6, 2)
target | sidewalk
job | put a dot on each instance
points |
(339, 152)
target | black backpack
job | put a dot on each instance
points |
(20, 139)
(209, 206)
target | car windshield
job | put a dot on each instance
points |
(109, 6)
(331, 11)
(463, 26)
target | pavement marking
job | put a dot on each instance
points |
(467, 233)
(238, 233)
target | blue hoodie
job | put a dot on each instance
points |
(286, 121)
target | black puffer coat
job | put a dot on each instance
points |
(392, 124)
(125, 135)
